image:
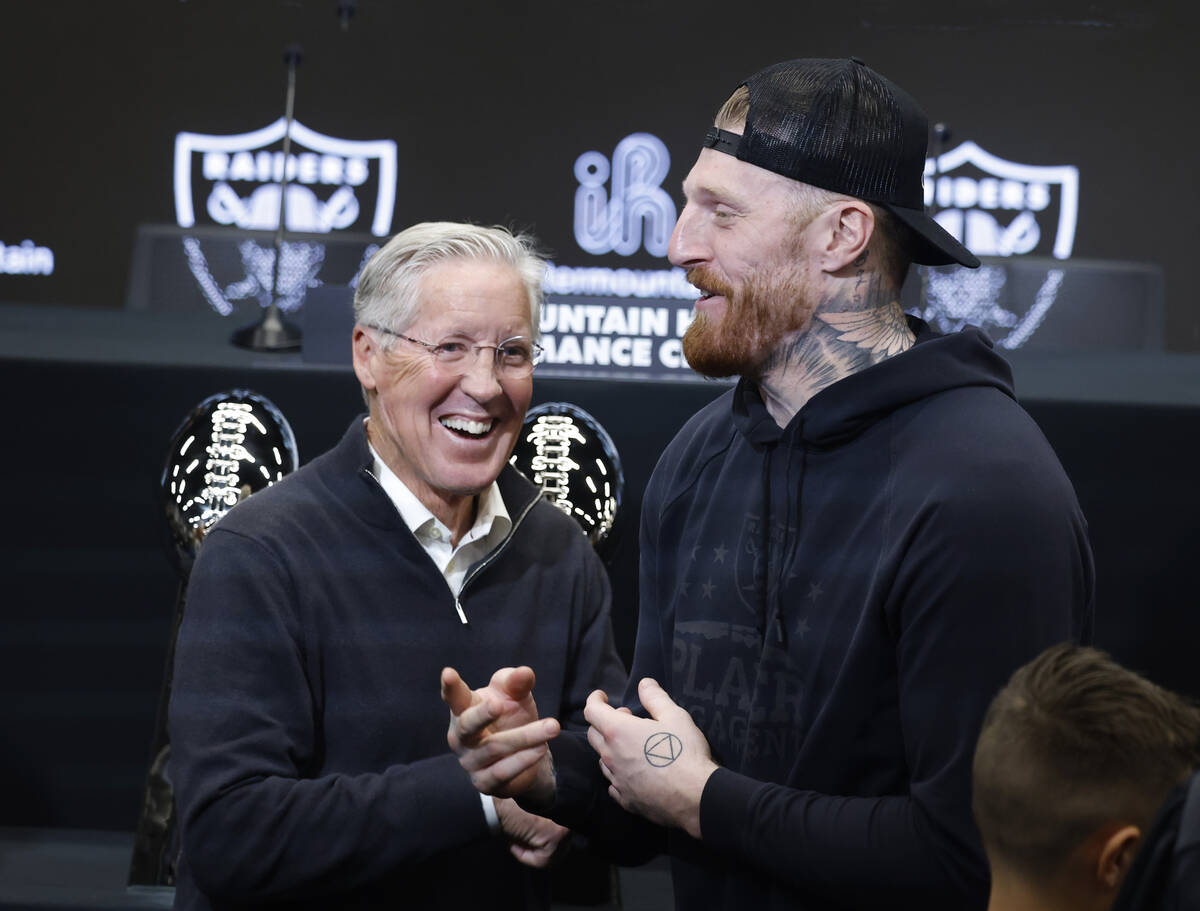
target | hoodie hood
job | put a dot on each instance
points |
(845, 409)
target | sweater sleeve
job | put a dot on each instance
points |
(258, 820)
(582, 800)
(988, 578)
(593, 663)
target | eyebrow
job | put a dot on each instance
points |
(717, 192)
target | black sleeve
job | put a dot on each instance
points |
(245, 743)
(593, 663)
(581, 800)
(990, 579)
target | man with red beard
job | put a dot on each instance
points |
(843, 557)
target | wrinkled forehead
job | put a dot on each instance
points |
(474, 296)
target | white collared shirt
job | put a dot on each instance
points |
(492, 523)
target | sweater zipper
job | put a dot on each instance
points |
(457, 604)
(479, 567)
(487, 561)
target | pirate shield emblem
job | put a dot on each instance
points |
(998, 208)
(234, 181)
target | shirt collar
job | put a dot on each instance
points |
(489, 509)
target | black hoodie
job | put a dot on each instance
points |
(921, 541)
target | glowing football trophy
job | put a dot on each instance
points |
(230, 446)
(566, 453)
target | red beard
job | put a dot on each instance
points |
(757, 317)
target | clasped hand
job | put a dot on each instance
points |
(496, 732)
(656, 767)
(533, 840)
(502, 745)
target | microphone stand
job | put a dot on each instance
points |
(272, 333)
(941, 139)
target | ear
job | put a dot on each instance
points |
(1116, 855)
(848, 231)
(365, 351)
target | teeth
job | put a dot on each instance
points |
(475, 428)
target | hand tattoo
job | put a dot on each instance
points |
(662, 748)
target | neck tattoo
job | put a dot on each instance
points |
(854, 328)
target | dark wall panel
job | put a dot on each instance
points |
(89, 590)
(491, 104)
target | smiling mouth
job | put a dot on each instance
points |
(707, 292)
(470, 430)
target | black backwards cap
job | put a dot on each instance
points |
(839, 125)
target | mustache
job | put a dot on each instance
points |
(703, 278)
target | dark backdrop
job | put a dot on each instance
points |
(491, 103)
(89, 591)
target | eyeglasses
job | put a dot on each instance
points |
(515, 357)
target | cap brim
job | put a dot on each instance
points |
(932, 245)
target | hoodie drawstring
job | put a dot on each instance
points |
(776, 619)
(762, 571)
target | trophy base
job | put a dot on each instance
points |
(270, 334)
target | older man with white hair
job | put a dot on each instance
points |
(310, 762)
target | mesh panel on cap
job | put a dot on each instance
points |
(838, 125)
(831, 123)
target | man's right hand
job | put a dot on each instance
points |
(533, 840)
(496, 732)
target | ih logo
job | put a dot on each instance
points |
(333, 185)
(998, 208)
(636, 211)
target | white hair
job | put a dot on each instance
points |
(387, 294)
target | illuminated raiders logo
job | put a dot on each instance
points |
(997, 208)
(638, 211)
(1001, 208)
(333, 185)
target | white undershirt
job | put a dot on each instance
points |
(492, 523)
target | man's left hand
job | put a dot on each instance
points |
(656, 767)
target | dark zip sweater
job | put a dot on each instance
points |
(835, 603)
(309, 742)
